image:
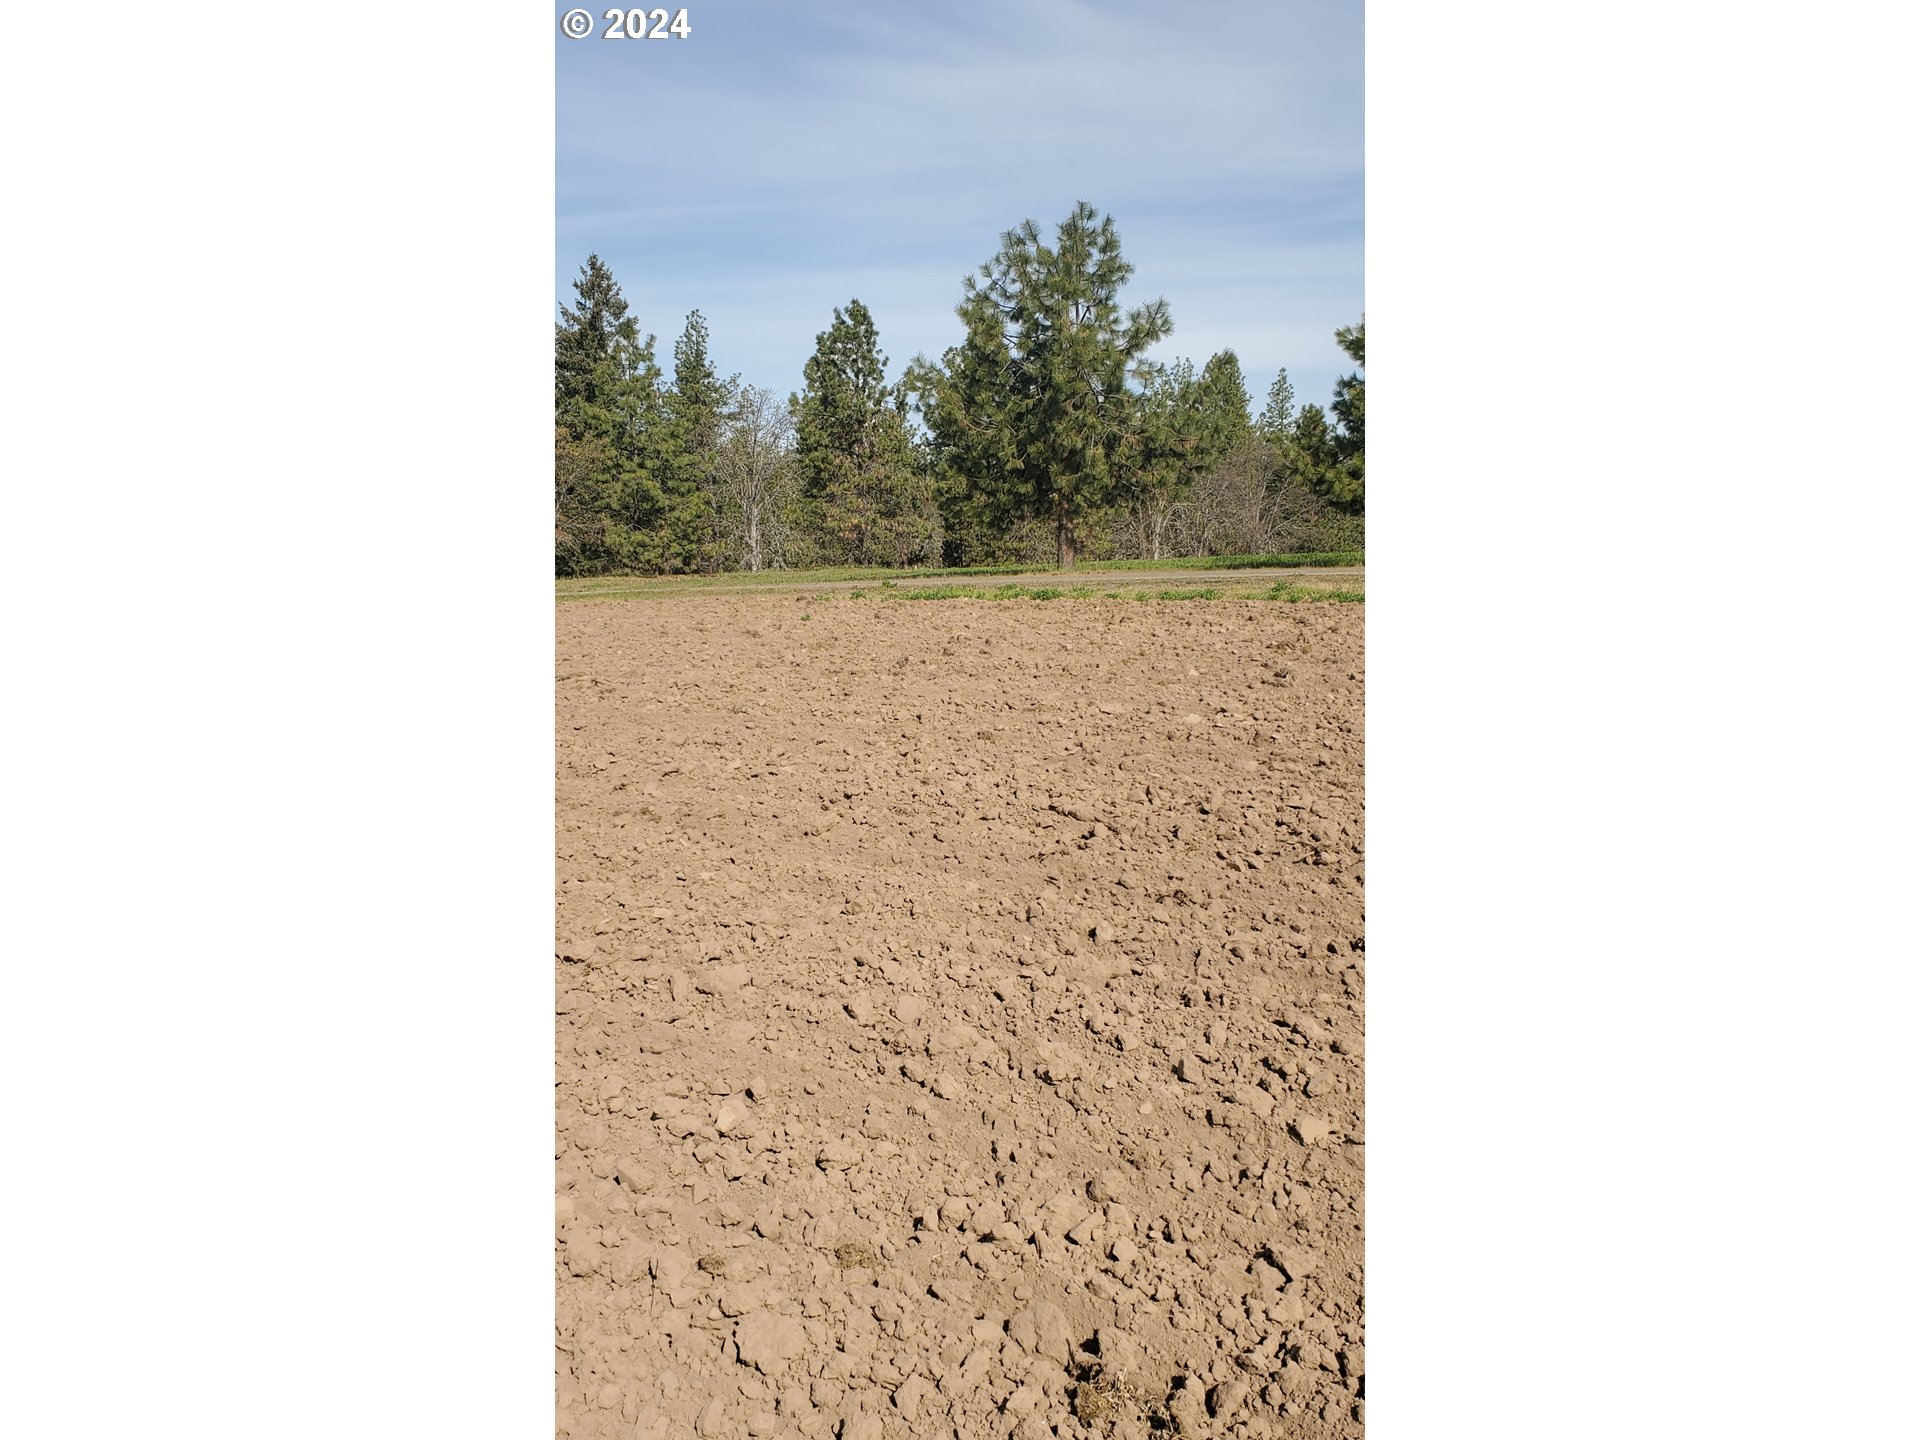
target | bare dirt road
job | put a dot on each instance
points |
(959, 1020)
(1101, 580)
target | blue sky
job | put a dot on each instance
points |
(790, 156)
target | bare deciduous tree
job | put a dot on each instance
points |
(754, 484)
(579, 519)
(1253, 501)
(1225, 510)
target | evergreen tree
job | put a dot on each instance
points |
(612, 445)
(1347, 478)
(700, 398)
(1221, 403)
(1353, 340)
(1032, 412)
(1166, 462)
(867, 497)
(1187, 425)
(1312, 449)
(963, 402)
(697, 407)
(1276, 421)
(587, 342)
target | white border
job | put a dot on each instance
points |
(277, 1031)
(1639, 762)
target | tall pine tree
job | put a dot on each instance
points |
(866, 495)
(593, 335)
(1312, 448)
(1276, 421)
(1347, 477)
(697, 407)
(610, 431)
(1222, 403)
(1033, 412)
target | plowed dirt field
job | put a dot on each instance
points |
(959, 1019)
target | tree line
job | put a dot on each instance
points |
(1045, 434)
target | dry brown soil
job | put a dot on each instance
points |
(959, 1014)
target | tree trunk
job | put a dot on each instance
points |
(1064, 534)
